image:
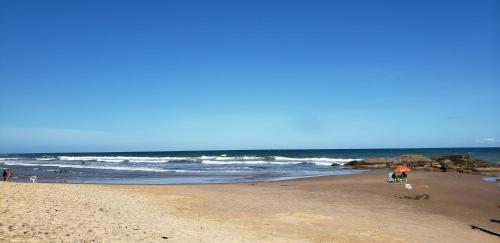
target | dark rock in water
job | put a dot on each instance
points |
(369, 163)
(335, 164)
(378, 160)
(352, 162)
(411, 160)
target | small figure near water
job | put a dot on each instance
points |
(391, 177)
(9, 174)
(4, 175)
(404, 177)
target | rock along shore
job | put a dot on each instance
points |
(458, 163)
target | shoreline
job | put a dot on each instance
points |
(348, 208)
(198, 183)
(361, 172)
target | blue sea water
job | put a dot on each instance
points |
(205, 166)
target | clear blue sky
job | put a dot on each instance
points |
(189, 75)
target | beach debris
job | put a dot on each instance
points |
(495, 221)
(474, 227)
(408, 186)
(164, 237)
(423, 196)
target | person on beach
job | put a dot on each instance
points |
(393, 177)
(4, 175)
(9, 174)
(404, 177)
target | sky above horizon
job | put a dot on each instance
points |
(200, 75)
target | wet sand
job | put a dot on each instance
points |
(351, 208)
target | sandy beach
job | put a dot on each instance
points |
(350, 208)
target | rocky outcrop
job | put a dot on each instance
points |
(414, 161)
(382, 162)
(370, 163)
(466, 164)
(413, 158)
(460, 163)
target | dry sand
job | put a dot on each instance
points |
(352, 208)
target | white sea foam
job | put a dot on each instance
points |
(123, 168)
(318, 161)
(250, 157)
(246, 159)
(127, 168)
(118, 159)
(226, 162)
(247, 162)
(139, 159)
(225, 157)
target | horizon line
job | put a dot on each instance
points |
(228, 150)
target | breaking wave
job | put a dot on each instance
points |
(228, 162)
(119, 159)
(121, 168)
(127, 168)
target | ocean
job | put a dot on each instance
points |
(205, 166)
